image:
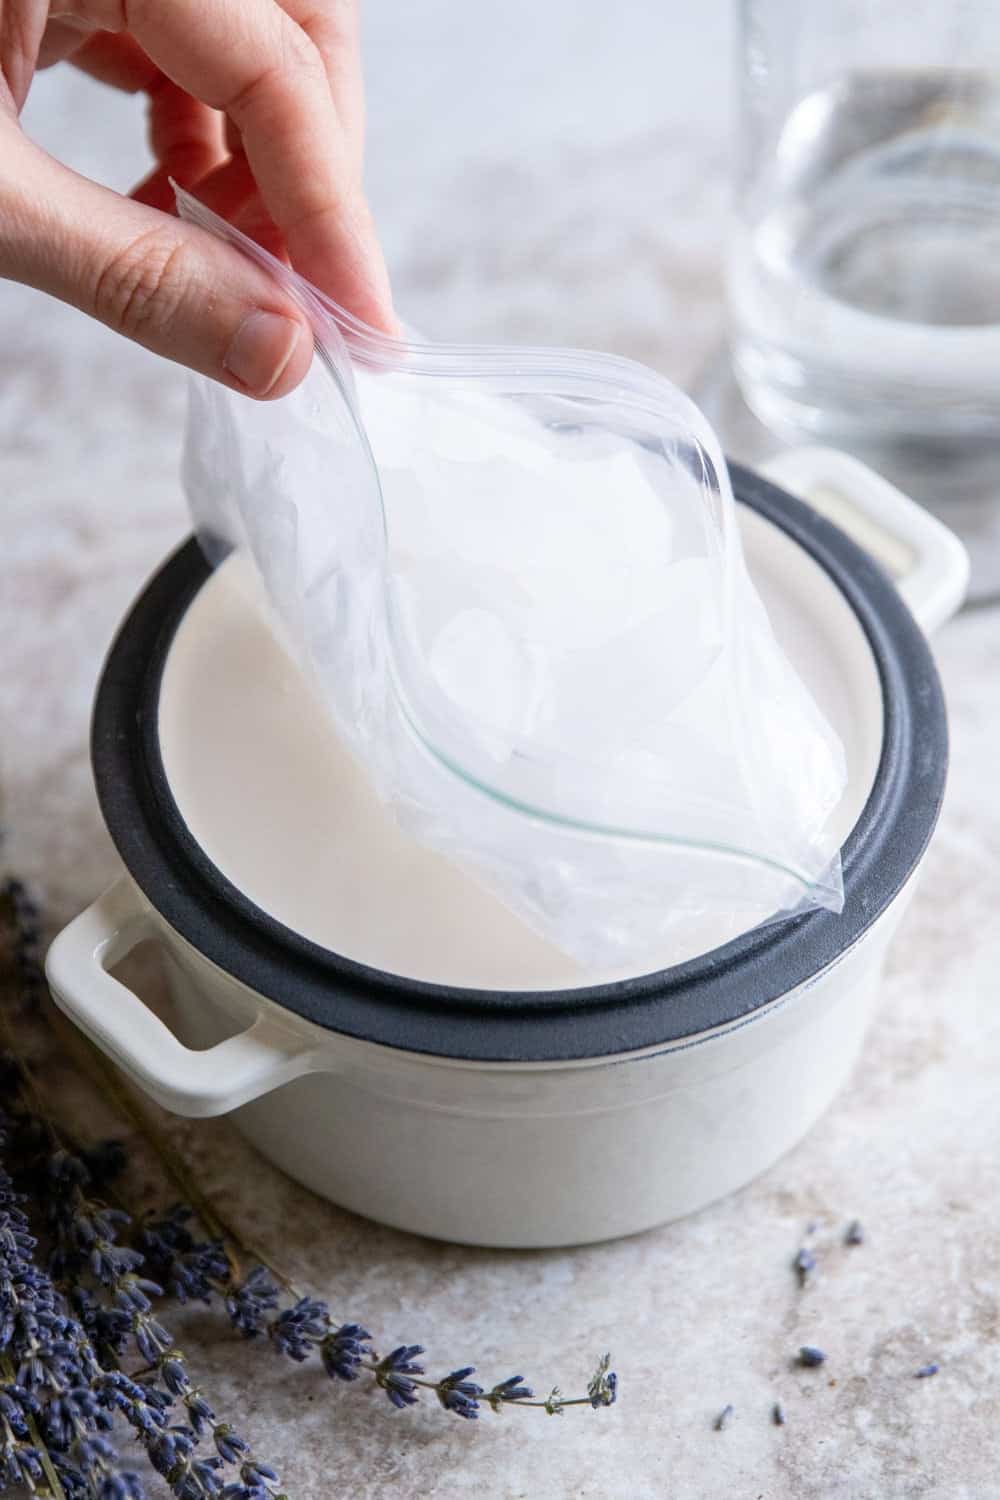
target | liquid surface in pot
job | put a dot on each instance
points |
(275, 801)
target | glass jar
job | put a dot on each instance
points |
(864, 278)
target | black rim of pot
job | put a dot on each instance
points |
(717, 989)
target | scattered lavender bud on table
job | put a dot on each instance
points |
(778, 1414)
(724, 1418)
(804, 1265)
(926, 1371)
(810, 1356)
(855, 1233)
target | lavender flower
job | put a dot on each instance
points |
(459, 1394)
(804, 1265)
(71, 1411)
(250, 1301)
(603, 1387)
(144, 1406)
(724, 1419)
(173, 1455)
(509, 1390)
(97, 1462)
(190, 1270)
(300, 1328)
(88, 1233)
(256, 1483)
(109, 1328)
(392, 1373)
(19, 1458)
(52, 1405)
(343, 1349)
(20, 1461)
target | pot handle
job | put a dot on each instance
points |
(196, 1084)
(926, 561)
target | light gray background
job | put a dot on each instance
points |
(547, 172)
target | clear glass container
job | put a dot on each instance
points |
(864, 277)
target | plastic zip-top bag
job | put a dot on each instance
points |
(516, 580)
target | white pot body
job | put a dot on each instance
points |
(525, 1155)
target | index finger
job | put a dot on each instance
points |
(249, 59)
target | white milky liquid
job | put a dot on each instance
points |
(277, 803)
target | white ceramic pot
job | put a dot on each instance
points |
(519, 1114)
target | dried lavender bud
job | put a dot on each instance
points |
(190, 1270)
(256, 1481)
(603, 1387)
(298, 1329)
(810, 1356)
(926, 1371)
(96, 1460)
(855, 1234)
(724, 1418)
(231, 1448)
(151, 1338)
(511, 1389)
(343, 1349)
(20, 1463)
(172, 1454)
(109, 1328)
(249, 1302)
(16, 1406)
(71, 1411)
(391, 1374)
(804, 1265)
(778, 1414)
(458, 1394)
(144, 1407)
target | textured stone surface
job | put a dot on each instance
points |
(572, 194)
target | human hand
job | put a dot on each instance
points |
(256, 106)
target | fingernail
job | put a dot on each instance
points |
(261, 348)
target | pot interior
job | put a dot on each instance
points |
(267, 791)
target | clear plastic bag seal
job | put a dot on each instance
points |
(516, 579)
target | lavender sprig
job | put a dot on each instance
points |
(306, 1326)
(81, 1397)
(88, 1233)
(167, 1250)
(49, 1403)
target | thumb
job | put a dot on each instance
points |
(168, 285)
